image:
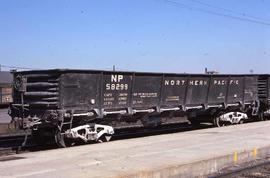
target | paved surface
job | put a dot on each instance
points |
(4, 117)
(143, 157)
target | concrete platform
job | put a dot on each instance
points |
(185, 154)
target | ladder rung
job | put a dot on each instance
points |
(66, 123)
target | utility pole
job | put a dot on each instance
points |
(113, 67)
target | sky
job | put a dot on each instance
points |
(137, 35)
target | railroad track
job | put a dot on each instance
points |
(165, 129)
(255, 169)
(11, 144)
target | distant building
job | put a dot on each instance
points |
(206, 71)
(6, 79)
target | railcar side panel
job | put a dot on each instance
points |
(174, 89)
(80, 90)
(197, 90)
(116, 90)
(251, 89)
(235, 90)
(218, 90)
(146, 91)
(268, 98)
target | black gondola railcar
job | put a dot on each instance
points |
(89, 104)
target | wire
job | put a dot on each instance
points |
(182, 5)
(27, 68)
(229, 10)
(16, 67)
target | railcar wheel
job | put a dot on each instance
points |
(42, 136)
(220, 123)
(62, 141)
(261, 117)
(104, 138)
(195, 123)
